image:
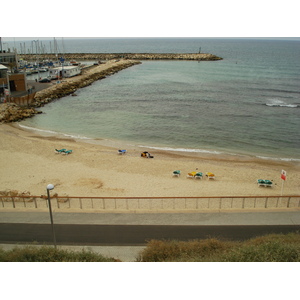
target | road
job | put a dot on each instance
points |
(130, 235)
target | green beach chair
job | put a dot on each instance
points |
(199, 175)
(176, 173)
(67, 152)
(60, 151)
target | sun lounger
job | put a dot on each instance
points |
(268, 183)
(264, 182)
(67, 152)
(198, 175)
(210, 175)
(260, 182)
(121, 151)
(176, 173)
(60, 150)
(191, 175)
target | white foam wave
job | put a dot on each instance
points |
(182, 150)
(44, 131)
(280, 103)
(279, 159)
(188, 150)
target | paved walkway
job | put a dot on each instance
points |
(130, 253)
(291, 217)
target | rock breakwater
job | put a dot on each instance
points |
(11, 112)
(131, 56)
(70, 85)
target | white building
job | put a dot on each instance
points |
(66, 71)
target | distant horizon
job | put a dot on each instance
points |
(24, 39)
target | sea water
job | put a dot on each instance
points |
(246, 104)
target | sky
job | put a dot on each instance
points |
(155, 18)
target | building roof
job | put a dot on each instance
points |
(65, 68)
(3, 67)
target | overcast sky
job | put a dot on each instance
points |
(155, 18)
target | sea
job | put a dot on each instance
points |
(246, 105)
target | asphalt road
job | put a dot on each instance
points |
(130, 235)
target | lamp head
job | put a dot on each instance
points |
(50, 186)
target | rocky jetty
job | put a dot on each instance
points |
(131, 56)
(69, 85)
(11, 112)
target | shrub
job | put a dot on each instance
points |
(50, 254)
(265, 252)
(269, 248)
(159, 251)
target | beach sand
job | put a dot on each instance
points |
(28, 163)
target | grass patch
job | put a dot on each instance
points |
(269, 248)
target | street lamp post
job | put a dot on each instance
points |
(51, 187)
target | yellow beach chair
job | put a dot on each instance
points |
(191, 175)
(210, 175)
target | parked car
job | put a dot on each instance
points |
(45, 80)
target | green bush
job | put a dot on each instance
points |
(160, 251)
(270, 248)
(50, 254)
(265, 252)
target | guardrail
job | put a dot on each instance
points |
(151, 203)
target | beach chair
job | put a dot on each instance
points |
(210, 175)
(60, 151)
(268, 183)
(260, 182)
(191, 175)
(176, 173)
(121, 151)
(198, 175)
(67, 152)
(264, 182)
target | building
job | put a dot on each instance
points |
(65, 71)
(3, 79)
(9, 59)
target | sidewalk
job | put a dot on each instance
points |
(291, 217)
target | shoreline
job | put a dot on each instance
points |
(93, 169)
(205, 153)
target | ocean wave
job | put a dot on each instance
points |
(280, 103)
(182, 150)
(279, 159)
(189, 150)
(44, 131)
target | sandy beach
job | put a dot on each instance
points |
(29, 163)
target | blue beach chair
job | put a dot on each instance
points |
(121, 151)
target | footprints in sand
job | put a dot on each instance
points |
(92, 183)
